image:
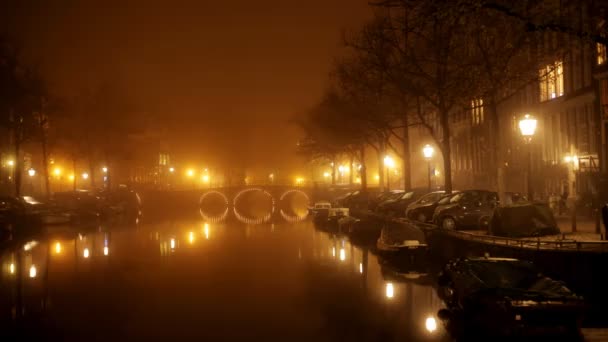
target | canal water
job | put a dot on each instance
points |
(230, 281)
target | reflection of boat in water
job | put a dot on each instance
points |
(507, 297)
(411, 272)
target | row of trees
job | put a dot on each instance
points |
(90, 127)
(419, 62)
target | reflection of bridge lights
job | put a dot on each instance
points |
(206, 231)
(389, 291)
(430, 324)
(342, 254)
(33, 271)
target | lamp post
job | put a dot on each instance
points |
(389, 163)
(31, 172)
(527, 127)
(428, 152)
(572, 161)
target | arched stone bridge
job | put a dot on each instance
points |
(255, 204)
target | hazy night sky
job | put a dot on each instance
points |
(227, 75)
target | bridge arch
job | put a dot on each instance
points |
(217, 217)
(250, 220)
(289, 217)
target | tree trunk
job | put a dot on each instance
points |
(446, 151)
(17, 169)
(407, 169)
(496, 148)
(333, 170)
(351, 169)
(18, 165)
(45, 167)
(363, 172)
(92, 171)
(381, 152)
(74, 173)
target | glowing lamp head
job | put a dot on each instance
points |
(342, 254)
(10, 163)
(85, 175)
(190, 173)
(205, 178)
(428, 151)
(389, 162)
(171, 169)
(106, 250)
(71, 177)
(33, 271)
(57, 172)
(389, 290)
(86, 253)
(31, 172)
(58, 247)
(104, 169)
(527, 126)
(326, 174)
(430, 324)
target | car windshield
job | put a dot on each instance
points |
(456, 198)
(428, 198)
(408, 195)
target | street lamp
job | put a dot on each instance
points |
(389, 163)
(527, 127)
(104, 169)
(31, 172)
(171, 169)
(428, 152)
(85, 175)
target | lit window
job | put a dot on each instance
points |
(477, 111)
(601, 53)
(163, 159)
(551, 81)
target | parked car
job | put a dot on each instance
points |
(83, 206)
(16, 216)
(359, 200)
(507, 297)
(392, 194)
(422, 210)
(339, 201)
(396, 207)
(470, 209)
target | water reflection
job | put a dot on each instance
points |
(285, 280)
